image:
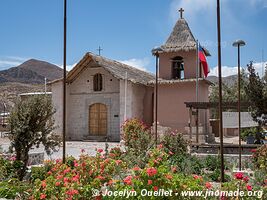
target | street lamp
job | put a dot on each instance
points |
(155, 52)
(238, 44)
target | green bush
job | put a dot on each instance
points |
(38, 173)
(13, 188)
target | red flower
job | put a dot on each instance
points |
(100, 150)
(253, 150)
(168, 176)
(174, 169)
(149, 182)
(128, 180)
(249, 187)
(118, 162)
(43, 184)
(72, 192)
(57, 184)
(246, 179)
(49, 173)
(208, 185)
(155, 188)
(101, 177)
(42, 196)
(239, 175)
(136, 168)
(151, 171)
(66, 179)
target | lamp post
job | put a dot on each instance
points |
(155, 52)
(238, 44)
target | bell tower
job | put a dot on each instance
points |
(179, 57)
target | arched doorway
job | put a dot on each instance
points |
(98, 119)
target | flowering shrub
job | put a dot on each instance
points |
(244, 183)
(136, 135)
(157, 175)
(77, 178)
(260, 157)
(174, 143)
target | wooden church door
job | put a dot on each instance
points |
(98, 119)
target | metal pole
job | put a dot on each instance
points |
(220, 89)
(197, 74)
(239, 115)
(64, 82)
(156, 100)
(125, 96)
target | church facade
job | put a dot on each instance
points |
(103, 93)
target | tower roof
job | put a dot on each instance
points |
(181, 38)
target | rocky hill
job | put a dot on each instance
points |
(228, 80)
(31, 72)
(27, 77)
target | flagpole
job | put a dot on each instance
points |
(197, 73)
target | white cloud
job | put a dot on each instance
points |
(141, 64)
(69, 67)
(191, 7)
(10, 61)
(228, 71)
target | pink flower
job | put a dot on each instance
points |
(75, 178)
(249, 187)
(155, 188)
(57, 184)
(208, 185)
(49, 173)
(239, 175)
(151, 171)
(66, 180)
(171, 153)
(128, 180)
(42, 196)
(13, 158)
(149, 182)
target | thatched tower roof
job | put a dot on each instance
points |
(181, 38)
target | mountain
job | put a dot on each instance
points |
(228, 80)
(31, 72)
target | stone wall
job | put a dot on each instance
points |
(82, 96)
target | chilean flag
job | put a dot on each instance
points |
(202, 59)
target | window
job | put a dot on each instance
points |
(177, 68)
(98, 82)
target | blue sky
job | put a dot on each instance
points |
(128, 30)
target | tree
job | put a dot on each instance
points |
(229, 92)
(32, 124)
(257, 94)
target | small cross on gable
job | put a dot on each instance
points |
(181, 10)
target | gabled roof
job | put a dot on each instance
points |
(181, 38)
(117, 69)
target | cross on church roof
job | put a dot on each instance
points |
(99, 50)
(181, 10)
